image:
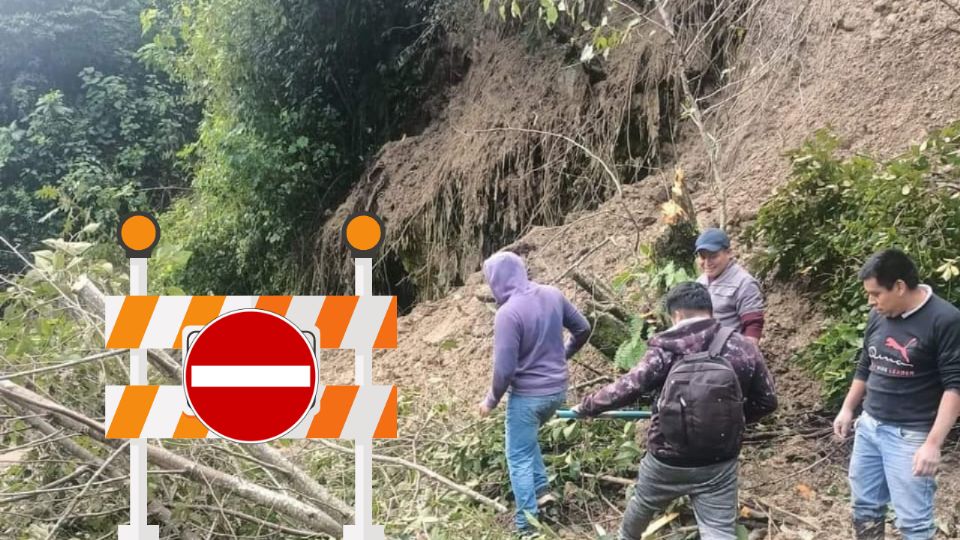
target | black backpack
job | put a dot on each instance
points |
(701, 405)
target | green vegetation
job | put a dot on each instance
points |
(595, 26)
(86, 132)
(296, 95)
(821, 226)
(648, 282)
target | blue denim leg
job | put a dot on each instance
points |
(525, 415)
(868, 483)
(912, 496)
(546, 411)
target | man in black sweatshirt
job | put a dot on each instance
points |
(910, 373)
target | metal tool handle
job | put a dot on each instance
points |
(622, 415)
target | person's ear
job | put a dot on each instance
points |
(901, 287)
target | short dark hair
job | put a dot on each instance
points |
(888, 266)
(688, 296)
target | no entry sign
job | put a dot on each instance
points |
(250, 376)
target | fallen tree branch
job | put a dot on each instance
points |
(90, 296)
(610, 479)
(301, 512)
(254, 519)
(426, 472)
(301, 481)
(602, 294)
(159, 509)
(798, 519)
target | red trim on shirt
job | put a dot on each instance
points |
(751, 324)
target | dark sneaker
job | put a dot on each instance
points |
(869, 529)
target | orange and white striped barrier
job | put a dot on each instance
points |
(341, 412)
(343, 322)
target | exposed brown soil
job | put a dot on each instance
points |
(880, 73)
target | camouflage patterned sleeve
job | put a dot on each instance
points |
(645, 377)
(761, 398)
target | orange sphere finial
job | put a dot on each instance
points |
(138, 233)
(363, 233)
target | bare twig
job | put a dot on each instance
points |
(606, 168)
(579, 261)
(591, 382)
(799, 519)
(563, 229)
(954, 8)
(73, 503)
(798, 472)
(9, 497)
(610, 479)
(52, 437)
(91, 358)
(301, 480)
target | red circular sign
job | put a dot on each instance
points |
(250, 376)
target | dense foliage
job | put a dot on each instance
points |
(820, 228)
(86, 131)
(644, 287)
(296, 95)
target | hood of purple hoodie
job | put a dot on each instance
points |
(506, 274)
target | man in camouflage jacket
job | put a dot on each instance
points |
(665, 471)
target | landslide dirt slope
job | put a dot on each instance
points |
(881, 74)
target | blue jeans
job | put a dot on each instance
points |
(528, 474)
(881, 471)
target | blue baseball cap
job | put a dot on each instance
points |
(712, 240)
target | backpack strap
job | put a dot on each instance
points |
(716, 345)
(719, 340)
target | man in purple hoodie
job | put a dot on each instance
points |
(530, 359)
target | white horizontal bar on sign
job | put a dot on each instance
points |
(250, 376)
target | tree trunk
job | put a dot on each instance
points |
(610, 319)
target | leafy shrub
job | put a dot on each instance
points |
(296, 96)
(649, 281)
(570, 448)
(595, 26)
(835, 212)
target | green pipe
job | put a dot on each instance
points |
(621, 415)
